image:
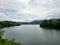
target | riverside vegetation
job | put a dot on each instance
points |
(4, 41)
(8, 24)
(52, 23)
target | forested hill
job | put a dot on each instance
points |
(52, 23)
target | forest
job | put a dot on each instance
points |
(52, 23)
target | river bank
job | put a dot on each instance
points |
(8, 24)
(4, 41)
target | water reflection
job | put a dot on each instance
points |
(33, 35)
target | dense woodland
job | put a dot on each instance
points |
(52, 23)
(8, 24)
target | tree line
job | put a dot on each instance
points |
(52, 23)
(8, 24)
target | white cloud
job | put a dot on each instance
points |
(28, 9)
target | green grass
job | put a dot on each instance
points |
(7, 42)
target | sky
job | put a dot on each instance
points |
(29, 10)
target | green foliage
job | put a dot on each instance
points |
(53, 23)
(7, 24)
(1, 32)
(6, 41)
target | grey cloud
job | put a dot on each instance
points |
(32, 10)
(45, 3)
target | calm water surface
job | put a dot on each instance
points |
(33, 35)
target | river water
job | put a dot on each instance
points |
(33, 35)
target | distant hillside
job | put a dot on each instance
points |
(32, 22)
(37, 21)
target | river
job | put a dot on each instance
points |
(33, 35)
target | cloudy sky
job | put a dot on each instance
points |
(28, 10)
